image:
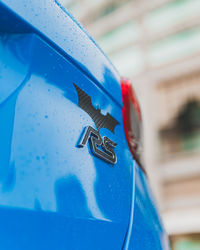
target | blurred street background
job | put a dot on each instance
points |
(156, 43)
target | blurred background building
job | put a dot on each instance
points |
(156, 43)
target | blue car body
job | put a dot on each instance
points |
(53, 194)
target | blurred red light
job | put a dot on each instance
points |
(132, 119)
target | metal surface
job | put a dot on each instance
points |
(43, 173)
(54, 195)
(146, 230)
(55, 25)
(100, 147)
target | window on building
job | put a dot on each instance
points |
(185, 242)
(106, 9)
(112, 7)
(120, 37)
(129, 62)
(183, 135)
(175, 47)
(171, 14)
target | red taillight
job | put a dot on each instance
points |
(132, 119)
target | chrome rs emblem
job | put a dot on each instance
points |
(107, 153)
(100, 147)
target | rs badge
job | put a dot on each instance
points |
(100, 147)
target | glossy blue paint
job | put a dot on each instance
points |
(43, 170)
(56, 26)
(54, 195)
(145, 229)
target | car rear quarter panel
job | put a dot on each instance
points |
(53, 194)
(43, 172)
